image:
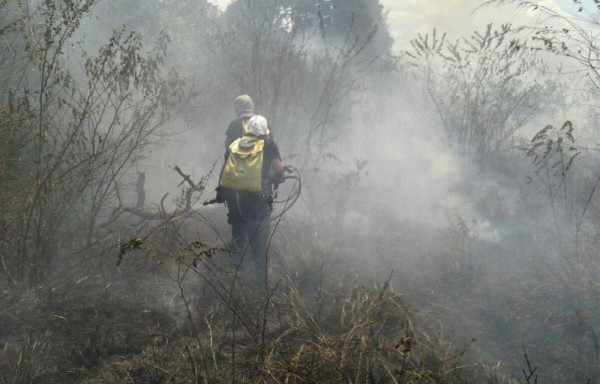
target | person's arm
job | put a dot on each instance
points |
(277, 168)
(229, 135)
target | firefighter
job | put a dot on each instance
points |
(244, 108)
(252, 165)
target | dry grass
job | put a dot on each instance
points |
(187, 315)
(213, 324)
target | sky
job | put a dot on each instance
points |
(407, 18)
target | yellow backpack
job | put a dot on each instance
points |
(243, 167)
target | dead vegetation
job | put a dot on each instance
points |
(346, 334)
(96, 289)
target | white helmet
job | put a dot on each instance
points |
(257, 126)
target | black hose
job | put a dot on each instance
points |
(290, 200)
(294, 194)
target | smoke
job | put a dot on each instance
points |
(387, 192)
(412, 172)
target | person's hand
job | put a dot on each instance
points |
(277, 179)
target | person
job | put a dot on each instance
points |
(249, 211)
(244, 108)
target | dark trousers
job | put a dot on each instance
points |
(249, 216)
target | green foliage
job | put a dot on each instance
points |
(572, 39)
(71, 133)
(483, 87)
(336, 21)
(552, 151)
(305, 85)
(174, 309)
